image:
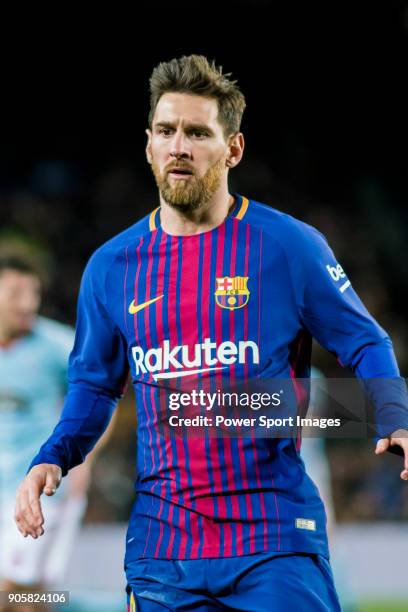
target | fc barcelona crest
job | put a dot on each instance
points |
(232, 292)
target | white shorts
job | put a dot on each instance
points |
(27, 561)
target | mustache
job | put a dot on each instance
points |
(179, 166)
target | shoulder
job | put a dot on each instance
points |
(116, 248)
(125, 239)
(293, 235)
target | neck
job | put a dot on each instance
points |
(203, 219)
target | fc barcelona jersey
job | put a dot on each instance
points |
(241, 301)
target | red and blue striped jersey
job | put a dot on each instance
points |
(240, 301)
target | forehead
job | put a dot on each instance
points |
(187, 108)
(17, 279)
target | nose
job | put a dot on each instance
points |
(179, 146)
(28, 303)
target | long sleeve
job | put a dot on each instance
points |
(97, 374)
(334, 314)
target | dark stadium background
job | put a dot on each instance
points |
(326, 140)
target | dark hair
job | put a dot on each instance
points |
(194, 74)
(18, 263)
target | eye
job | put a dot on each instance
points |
(199, 133)
(164, 131)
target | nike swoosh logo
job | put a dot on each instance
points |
(133, 309)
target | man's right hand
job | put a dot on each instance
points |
(43, 478)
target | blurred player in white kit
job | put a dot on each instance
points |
(33, 364)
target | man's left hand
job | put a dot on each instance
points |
(398, 438)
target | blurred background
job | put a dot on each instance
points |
(326, 140)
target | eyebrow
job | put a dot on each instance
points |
(189, 126)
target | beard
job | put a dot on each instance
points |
(194, 192)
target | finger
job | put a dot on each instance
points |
(382, 446)
(19, 518)
(22, 527)
(33, 521)
(24, 517)
(17, 515)
(404, 473)
(32, 506)
(51, 483)
(29, 519)
(403, 443)
(35, 505)
(25, 528)
(20, 522)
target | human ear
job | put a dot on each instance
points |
(236, 149)
(149, 146)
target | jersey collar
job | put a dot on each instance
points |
(238, 212)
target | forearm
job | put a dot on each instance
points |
(85, 416)
(376, 365)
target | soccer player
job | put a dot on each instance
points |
(33, 367)
(214, 286)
